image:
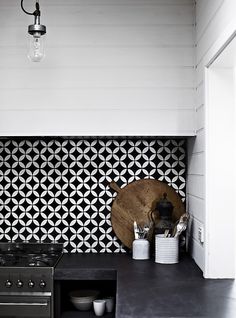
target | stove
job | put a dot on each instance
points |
(29, 254)
(26, 279)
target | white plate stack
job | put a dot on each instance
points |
(166, 249)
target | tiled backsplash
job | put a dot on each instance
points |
(55, 189)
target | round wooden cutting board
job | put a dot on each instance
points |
(135, 202)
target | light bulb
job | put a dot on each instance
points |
(36, 47)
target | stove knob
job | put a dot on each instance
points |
(31, 284)
(19, 283)
(8, 283)
(42, 284)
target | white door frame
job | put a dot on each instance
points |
(220, 226)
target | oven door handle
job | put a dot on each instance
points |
(24, 304)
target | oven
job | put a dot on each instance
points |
(26, 280)
(26, 292)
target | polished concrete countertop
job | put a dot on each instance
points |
(149, 290)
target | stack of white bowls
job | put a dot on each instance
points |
(83, 299)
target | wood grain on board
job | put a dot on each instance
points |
(136, 202)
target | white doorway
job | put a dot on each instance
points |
(220, 167)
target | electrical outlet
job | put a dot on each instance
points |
(201, 234)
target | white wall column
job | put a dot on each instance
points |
(220, 168)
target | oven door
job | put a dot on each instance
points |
(25, 306)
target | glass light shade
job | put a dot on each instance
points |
(36, 50)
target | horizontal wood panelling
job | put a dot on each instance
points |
(196, 164)
(196, 207)
(76, 15)
(200, 95)
(100, 98)
(64, 78)
(200, 118)
(196, 185)
(197, 144)
(100, 35)
(212, 18)
(197, 251)
(194, 224)
(103, 56)
(11, 3)
(99, 57)
(96, 123)
(200, 74)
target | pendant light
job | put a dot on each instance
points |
(36, 39)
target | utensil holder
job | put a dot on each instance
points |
(166, 249)
(141, 249)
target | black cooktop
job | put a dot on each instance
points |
(30, 254)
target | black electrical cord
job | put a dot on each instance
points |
(35, 13)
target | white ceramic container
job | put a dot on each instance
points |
(141, 249)
(166, 249)
(99, 306)
(110, 303)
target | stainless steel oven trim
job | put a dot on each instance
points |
(31, 294)
(23, 304)
(26, 306)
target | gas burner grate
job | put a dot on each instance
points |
(29, 254)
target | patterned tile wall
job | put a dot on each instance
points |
(58, 189)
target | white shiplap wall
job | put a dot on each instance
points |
(113, 67)
(212, 18)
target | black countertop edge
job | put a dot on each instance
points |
(146, 289)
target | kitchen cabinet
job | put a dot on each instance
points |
(147, 289)
(65, 309)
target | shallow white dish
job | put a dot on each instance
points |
(83, 306)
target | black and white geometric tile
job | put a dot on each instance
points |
(58, 189)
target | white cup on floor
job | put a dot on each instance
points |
(99, 306)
